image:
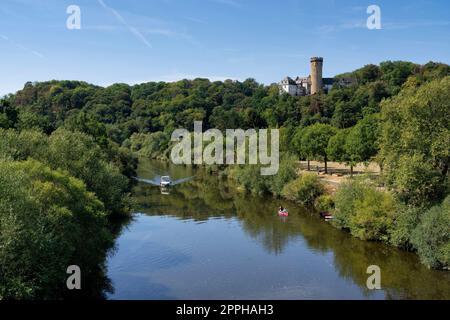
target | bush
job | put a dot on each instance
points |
(77, 153)
(416, 179)
(150, 145)
(406, 221)
(374, 215)
(324, 203)
(367, 212)
(22, 145)
(48, 221)
(304, 189)
(345, 202)
(250, 178)
(286, 174)
(432, 236)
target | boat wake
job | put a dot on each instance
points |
(157, 181)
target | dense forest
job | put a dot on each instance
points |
(68, 151)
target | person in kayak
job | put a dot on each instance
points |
(282, 212)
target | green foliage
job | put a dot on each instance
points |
(153, 107)
(48, 221)
(406, 221)
(374, 215)
(74, 152)
(414, 141)
(416, 180)
(86, 123)
(8, 115)
(286, 173)
(367, 212)
(314, 141)
(32, 120)
(22, 145)
(250, 178)
(345, 198)
(324, 203)
(84, 159)
(151, 145)
(304, 189)
(396, 73)
(432, 236)
(361, 141)
(368, 73)
(336, 150)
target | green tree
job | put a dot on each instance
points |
(33, 120)
(8, 115)
(314, 142)
(48, 221)
(79, 154)
(415, 135)
(361, 142)
(286, 173)
(336, 150)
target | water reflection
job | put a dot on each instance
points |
(337, 256)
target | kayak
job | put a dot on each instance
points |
(283, 213)
(326, 215)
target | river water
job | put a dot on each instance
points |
(204, 240)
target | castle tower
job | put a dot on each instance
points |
(316, 74)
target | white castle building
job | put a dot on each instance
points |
(312, 84)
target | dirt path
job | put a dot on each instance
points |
(337, 172)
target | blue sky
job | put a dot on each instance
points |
(137, 41)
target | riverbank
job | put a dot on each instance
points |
(359, 205)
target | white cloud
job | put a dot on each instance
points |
(130, 28)
(20, 46)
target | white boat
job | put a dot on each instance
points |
(165, 181)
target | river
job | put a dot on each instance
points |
(204, 240)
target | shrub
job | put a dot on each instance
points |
(407, 219)
(77, 153)
(304, 189)
(48, 221)
(367, 212)
(345, 202)
(150, 145)
(286, 174)
(250, 178)
(324, 203)
(374, 215)
(416, 179)
(432, 236)
(21, 145)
